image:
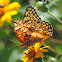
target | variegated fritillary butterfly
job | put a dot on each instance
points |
(31, 29)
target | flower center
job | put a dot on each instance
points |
(1, 12)
(31, 52)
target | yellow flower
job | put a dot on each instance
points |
(7, 10)
(34, 52)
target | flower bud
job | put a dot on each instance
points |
(42, 6)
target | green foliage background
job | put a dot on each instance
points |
(55, 42)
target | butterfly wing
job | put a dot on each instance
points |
(32, 29)
(31, 17)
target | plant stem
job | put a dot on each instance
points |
(54, 17)
(51, 49)
(35, 60)
(11, 24)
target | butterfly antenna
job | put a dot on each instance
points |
(12, 40)
(13, 47)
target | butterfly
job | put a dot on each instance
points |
(31, 29)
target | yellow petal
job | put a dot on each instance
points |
(12, 6)
(14, 12)
(31, 60)
(45, 47)
(39, 54)
(1, 23)
(4, 2)
(6, 17)
(3, 18)
(38, 45)
(26, 59)
(43, 50)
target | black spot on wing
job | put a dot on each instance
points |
(32, 14)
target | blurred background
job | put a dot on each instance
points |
(9, 40)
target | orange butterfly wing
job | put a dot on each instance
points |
(31, 29)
